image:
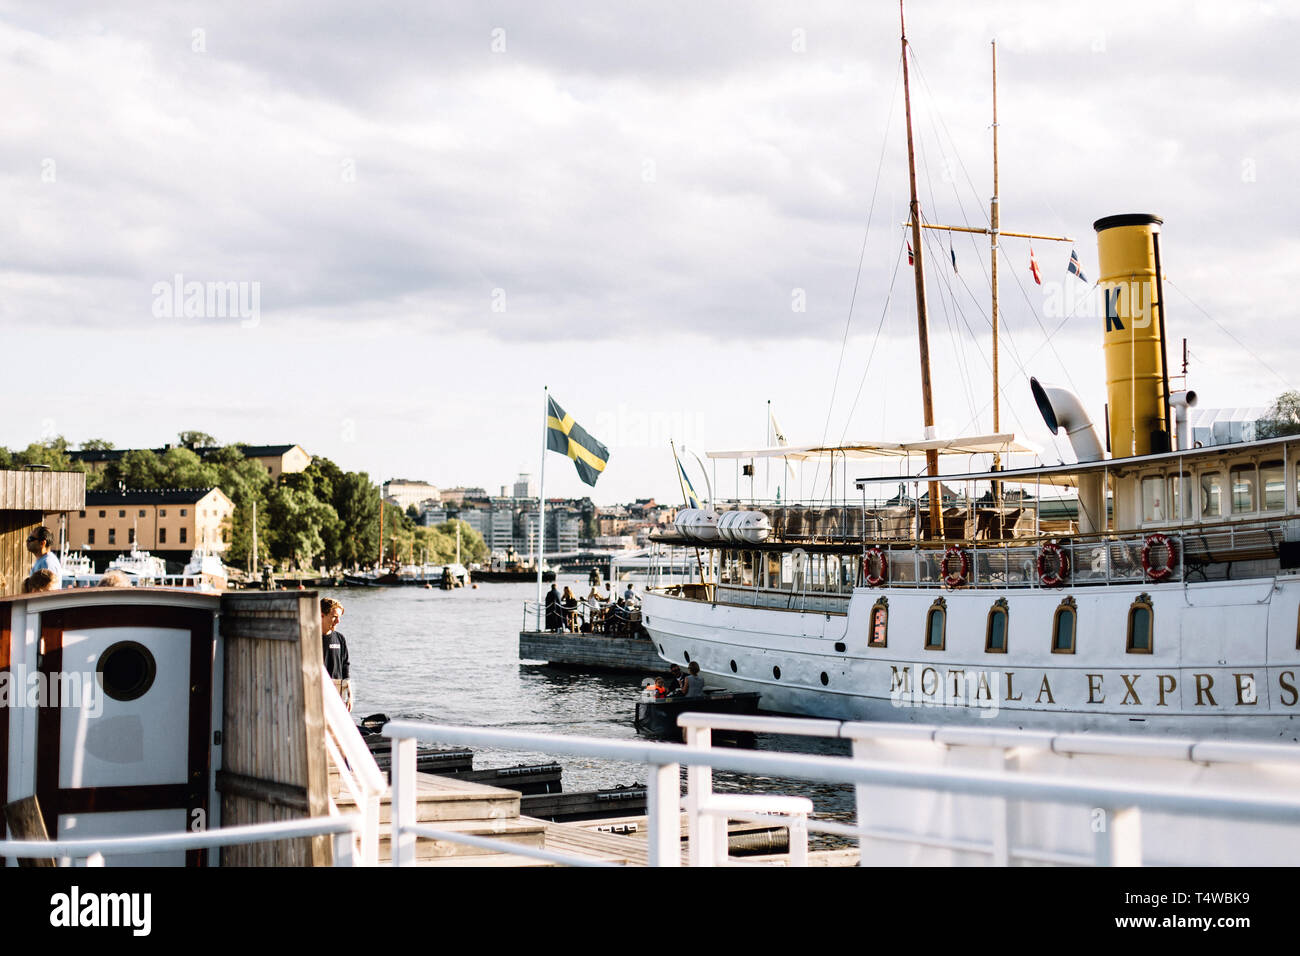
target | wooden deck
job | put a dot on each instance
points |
(461, 806)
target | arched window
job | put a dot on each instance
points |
(995, 633)
(878, 633)
(1064, 625)
(936, 623)
(1141, 625)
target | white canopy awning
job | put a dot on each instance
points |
(1002, 444)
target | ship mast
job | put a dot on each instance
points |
(993, 231)
(923, 330)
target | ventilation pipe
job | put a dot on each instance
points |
(1060, 408)
(1181, 402)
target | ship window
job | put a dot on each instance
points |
(935, 625)
(1274, 485)
(1140, 620)
(995, 635)
(1180, 495)
(1153, 498)
(1064, 625)
(126, 670)
(1211, 495)
(1242, 478)
(879, 633)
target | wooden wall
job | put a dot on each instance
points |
(25, 498)
(273, 727)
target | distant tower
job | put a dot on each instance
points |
(525, 487)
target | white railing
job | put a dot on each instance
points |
(343, 828)
(1117, 841)
(359, 775)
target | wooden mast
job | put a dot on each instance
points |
(923, 330)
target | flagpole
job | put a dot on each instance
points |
(541, 502)
(767, 465)
(699, 561)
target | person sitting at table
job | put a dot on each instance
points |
(569, 605)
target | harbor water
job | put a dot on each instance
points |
(452, 657)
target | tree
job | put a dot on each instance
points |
(1283, 417)
(197, 440)
(413, 513)
(295, 522)
(473, 549)
(138, 469)
(96, 444)
(53, 454)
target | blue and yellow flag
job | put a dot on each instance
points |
(567, 437)
(692, 499)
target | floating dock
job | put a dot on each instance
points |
(591, 651)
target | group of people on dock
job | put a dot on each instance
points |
(597, 613)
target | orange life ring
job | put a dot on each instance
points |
(958, 578)
(1171, 556)
(1051, 579)
(874, 580)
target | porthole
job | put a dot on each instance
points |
(839, 646)
(126, 670)
(776, 672)
(825, 680)
(687, 655)
(733, 667)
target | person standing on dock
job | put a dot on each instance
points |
(336, 648)
(553, 609)
(39, 543)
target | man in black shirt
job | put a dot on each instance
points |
(336, 648)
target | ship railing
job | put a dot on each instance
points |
(343, 828)
(1005, 803)
(1003, 797)
(359, 774)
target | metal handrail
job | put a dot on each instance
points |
(664, 798)
(347, 823)
(358, 772)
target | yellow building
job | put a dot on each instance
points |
(169, 522)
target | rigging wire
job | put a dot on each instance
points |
(857, 279)
(1225, 331)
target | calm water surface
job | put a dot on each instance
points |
(453, 657)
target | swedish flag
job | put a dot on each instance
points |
(567, 437)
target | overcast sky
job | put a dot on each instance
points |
(657, 209)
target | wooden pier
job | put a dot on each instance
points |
(592, 652)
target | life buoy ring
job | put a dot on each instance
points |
(1160, 572)
(1056, 577)
(954, 578)
(881, 561)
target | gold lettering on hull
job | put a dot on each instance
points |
(1288, 686)
(1130, 690)
(1094, 688)
(1011, 674)
(1046, 688)
(1203, 684)
(1165, 689)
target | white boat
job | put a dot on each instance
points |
(1169, 601)
(204, 570)
(78, 570)
(141, 566)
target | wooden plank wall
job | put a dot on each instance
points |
(45, 491)
(15, 559)
(273, 727)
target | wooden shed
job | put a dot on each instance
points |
(25, 498)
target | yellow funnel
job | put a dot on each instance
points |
(1129, 257)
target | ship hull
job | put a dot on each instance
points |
(1223, 663)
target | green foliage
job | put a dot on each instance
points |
(473, 549)
(96, 444)
(53, 454)
(197, 440)
(1282, 419)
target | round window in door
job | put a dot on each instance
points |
(126, 670)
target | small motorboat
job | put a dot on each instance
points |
(658, 718)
